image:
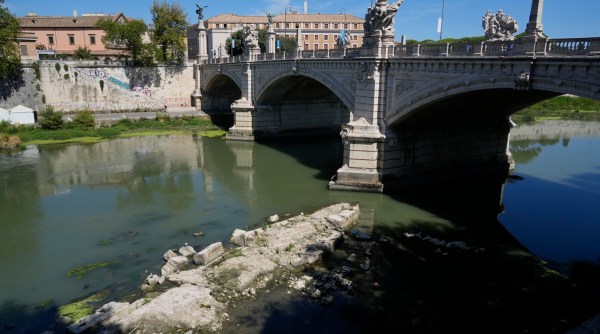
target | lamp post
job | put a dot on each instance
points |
(441, 20)
(343, 35)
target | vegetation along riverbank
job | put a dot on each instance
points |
(562, 107)
(52, 129)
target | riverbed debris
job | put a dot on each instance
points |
(206, 283)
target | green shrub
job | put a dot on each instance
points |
(66, 67)
(84, 119)
(36, 69)
(51, 119)
(57, 67)
(67, 76)
(44, 99)
(38, 87)
(82, 53)
(102, 85)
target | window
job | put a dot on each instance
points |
(325, 37)
(336, 26)
(355, 25)
(71, 39)
(355, 37)
(92, 39)
(305, 37)
(354, 45)
(50, 39)
(326, 25)
(306, 46)
(225, 25)
(345, 26)
(326, 46)
(287, 25)
(316, 46)
(277, 25)
(316, 26)
(23, 50)
(316, 37)
(297, 25)
(306, 25)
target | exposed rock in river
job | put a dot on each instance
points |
(201, 299)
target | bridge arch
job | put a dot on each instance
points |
(340, 91)
(220, 90)
(302, 102)
(461, 99)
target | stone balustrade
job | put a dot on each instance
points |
(548, 47)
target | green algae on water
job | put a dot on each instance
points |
(82, 308)
(80, 272)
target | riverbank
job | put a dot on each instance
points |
(71, 132)
(560, 108)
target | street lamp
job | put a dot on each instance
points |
(343, 35)
(441, 20)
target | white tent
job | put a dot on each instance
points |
(22, 115)
(4, 115)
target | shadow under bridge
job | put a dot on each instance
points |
(298, 105)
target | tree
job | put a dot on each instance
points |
(126, 35)
(11, 72)
(82, 53)
(169, 32)
(287, 43)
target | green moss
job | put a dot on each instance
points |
(82, 308)
(80, 272)
(44, 304)
(106, 242)
(213, 133)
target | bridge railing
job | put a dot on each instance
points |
(573, 46)
(550, 47)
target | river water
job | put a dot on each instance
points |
(125, 202)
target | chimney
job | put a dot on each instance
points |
(74, 12)
(305, 6)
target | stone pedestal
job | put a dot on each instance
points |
(202, 42)
(243, 129)
(360, 172)
(270, 40)
(197, 94)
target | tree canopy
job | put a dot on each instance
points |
(11, 72)
(169, 31)
(126, 35)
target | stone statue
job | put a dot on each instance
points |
(343, 41)
(381, 17)
(250, 37)
(499, 27)
(199, 12)
(270, 18)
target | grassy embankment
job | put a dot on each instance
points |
(561, 107)
(72, 132)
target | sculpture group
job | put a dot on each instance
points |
(380, 19)
(499, 26)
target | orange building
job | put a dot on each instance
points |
(64, 34)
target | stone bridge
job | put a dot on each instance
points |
(407, 114)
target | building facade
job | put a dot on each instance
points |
(313, 31)
(64, 34)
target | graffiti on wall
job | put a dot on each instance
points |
(177, 101)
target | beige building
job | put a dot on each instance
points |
(314, 31)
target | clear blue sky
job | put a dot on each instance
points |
(417, 19)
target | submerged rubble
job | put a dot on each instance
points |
(207, 282)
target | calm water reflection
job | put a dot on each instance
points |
(129, 200)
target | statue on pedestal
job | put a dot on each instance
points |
(499, 27)
(250, 37)
(380, 19)
(270, 18)
(199, 12)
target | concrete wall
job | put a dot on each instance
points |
(28, 94)
(101, 88)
